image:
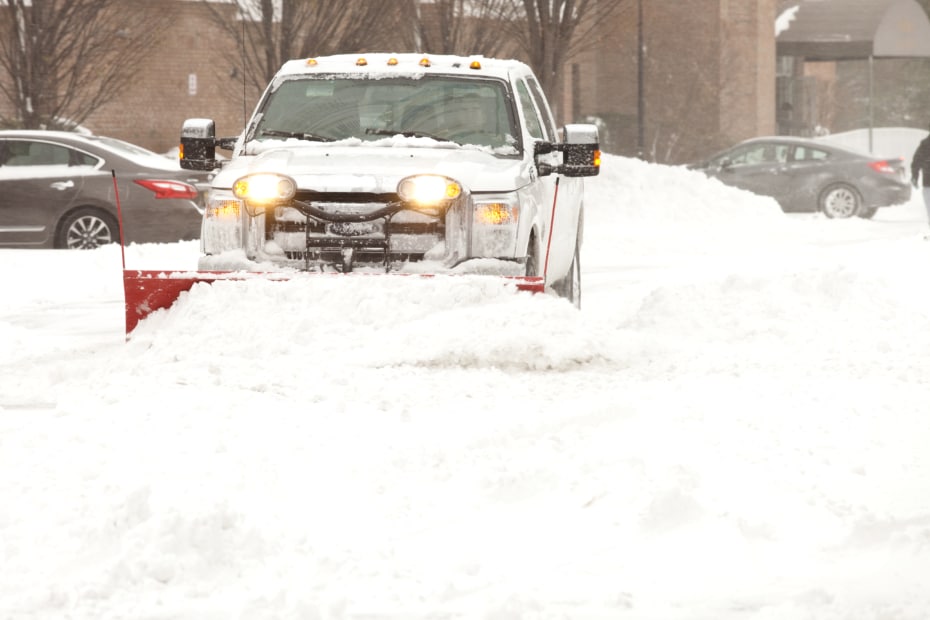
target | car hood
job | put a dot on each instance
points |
(378, 169)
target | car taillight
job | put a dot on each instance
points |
(883, 167)
(169, 189)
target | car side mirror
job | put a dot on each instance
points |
(581, 155)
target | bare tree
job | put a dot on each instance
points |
(462, 27)
(64, 59)
(552, 32)
(271, 32)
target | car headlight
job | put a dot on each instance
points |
(265, 189)
(428, 192)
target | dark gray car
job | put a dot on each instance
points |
(56, 191)
(809, 176)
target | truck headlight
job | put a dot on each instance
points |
(265, 189)
(428, 192)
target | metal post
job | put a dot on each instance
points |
(871, 97)
(641, 101)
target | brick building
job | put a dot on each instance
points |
(193, 72)
(708, 76)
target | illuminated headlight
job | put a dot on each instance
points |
(428, 191)
(265, 189)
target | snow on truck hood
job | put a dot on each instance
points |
(353, 166)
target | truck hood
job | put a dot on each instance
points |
(378, 169)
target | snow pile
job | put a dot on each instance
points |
(888, 142)
(783, 21)
(656, 207)
(733, 427)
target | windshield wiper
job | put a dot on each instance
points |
(407, 134)
(302, 135)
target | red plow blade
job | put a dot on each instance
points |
(148, 291)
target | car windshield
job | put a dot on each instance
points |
(444, 108)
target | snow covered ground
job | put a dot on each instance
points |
(735, 426)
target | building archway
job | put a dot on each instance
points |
(842, 30)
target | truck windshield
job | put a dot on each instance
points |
(444, 108)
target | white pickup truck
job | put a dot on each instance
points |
(399, 163)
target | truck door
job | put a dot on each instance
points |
(559, 196)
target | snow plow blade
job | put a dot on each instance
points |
(148, 291)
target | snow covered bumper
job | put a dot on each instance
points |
(429, 222)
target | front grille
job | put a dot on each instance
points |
(321, 198)
(400, 237)
(316, 227)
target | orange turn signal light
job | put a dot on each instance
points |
(496, 213)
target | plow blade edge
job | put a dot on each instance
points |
(148, 291)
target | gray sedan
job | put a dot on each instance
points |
(808, 176)
(57, 191)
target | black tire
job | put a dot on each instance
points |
(840, 201)
(569, 287)
(86, 229)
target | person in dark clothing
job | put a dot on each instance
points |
(921, 163)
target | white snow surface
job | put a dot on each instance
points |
(734, 426)
(783, 21)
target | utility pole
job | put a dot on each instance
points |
(641, 101)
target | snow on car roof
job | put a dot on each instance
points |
(386, 65)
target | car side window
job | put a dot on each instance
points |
(747, 156)
(757, 154)
(529, 111)
(31, 153)
(806, 153)
(77, 158)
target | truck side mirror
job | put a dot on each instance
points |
(198, 144)
(581, 155)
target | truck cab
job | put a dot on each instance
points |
(398, 163)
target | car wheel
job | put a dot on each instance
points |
(868, 213)
(839, 201)
(569, 287)
(86, 229)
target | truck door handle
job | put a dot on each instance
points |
(62, 185)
